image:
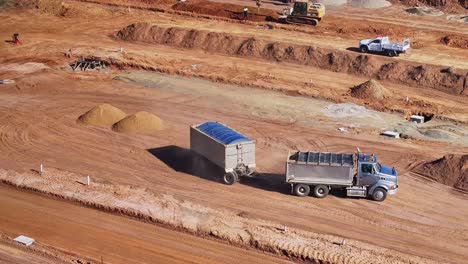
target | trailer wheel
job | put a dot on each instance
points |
(364, 49)
(379, 194)
(301, 190)
(230, 178)
(321, 191)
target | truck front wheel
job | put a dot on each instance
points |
(321, 191)
(301, 190)
(364, 49)
(230, 178)
(379, 194)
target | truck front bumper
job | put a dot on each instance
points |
(393, 192)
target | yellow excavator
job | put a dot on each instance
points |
(308, 12)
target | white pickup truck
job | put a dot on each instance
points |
(384, 45)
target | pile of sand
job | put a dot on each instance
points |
(141, 122)
(424, 11)
(451, 170)
(370, 90)
(102, 115)
(370, 3)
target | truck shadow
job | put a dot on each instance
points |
(354, 49)
(273, 182)
(186, 161)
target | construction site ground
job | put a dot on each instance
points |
(283, 105)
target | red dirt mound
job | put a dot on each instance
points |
(370, 90)
(451, 170)
(338, 61)
(224, 10)
(455, 41)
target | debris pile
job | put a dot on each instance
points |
(451, 170)
(102, 115)
(370, 90)
(88, 64)
(141, 122)
(424, 11)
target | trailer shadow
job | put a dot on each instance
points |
(272, 182)
(186, 161)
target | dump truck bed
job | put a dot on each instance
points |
(222, 145)
(320, 168)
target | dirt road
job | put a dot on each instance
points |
(94, 234)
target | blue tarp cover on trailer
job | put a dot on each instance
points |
(222, 133)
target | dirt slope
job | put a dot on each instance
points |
(225, 10)
(116, 239)
(451, 170)
(449, 5)
(337, 61)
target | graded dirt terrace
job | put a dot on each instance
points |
(116, 239)
(39, 112)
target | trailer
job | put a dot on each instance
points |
(226, 148)
(361, 175)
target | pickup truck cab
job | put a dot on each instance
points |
(384, 45)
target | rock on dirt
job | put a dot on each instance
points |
(370, 90)
(451, 170)
(102, 115)
(141, 122)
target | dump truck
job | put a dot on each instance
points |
(384, 45)
(226, 148)
(304, 12)
(361, 175)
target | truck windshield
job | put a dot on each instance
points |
(378, 167)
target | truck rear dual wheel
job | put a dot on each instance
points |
(230, 178)
(301, 190)
(321, 191)
(391, 53)
(364, 49)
